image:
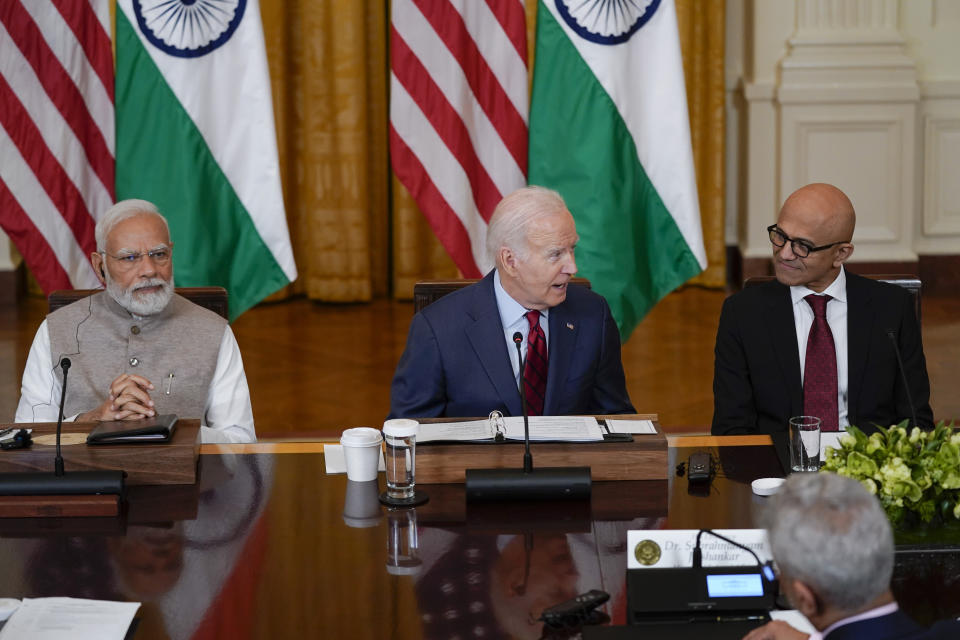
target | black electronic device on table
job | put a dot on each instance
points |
(147, 431)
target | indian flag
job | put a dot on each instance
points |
(195, 135)
(609, 130)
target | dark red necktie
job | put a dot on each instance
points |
(820, 368)
(535, 371)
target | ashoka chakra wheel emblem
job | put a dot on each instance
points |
(606, 21)
(188, 28)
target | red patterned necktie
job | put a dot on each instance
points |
(535, 371)
(820, 368)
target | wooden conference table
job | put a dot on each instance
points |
(268, 546)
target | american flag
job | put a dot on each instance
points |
(458, 114)
(56, 133)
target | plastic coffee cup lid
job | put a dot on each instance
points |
(766, 486)
(7, 607)
(400, 428)
(360, 437)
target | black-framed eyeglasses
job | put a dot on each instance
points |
(801, 248)
(159, 256)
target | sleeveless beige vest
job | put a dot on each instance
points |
(175, 349)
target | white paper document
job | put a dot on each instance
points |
(616, 425)
(555, 428)
(73, 618)
(334, 462)
(829, 439)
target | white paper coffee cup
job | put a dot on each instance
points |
(361, 453)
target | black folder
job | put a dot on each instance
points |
(146, 431)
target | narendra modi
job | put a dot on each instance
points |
(138, 349)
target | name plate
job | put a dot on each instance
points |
(671, 548)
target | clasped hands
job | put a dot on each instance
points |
(129, 399)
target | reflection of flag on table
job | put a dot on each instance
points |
(195, 135)
(458, 114)
(56, 134)
(609, 130)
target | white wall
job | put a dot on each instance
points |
(861, 93)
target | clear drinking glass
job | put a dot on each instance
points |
(805, 443)
(400, 440)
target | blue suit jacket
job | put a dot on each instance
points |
(894, 626)
(456, 361)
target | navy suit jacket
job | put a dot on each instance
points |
(456, 361)
(756, 381)
(894, 626)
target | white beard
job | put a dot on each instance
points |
(144, 304)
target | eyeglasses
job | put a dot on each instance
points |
(801, 248)
(160, 257)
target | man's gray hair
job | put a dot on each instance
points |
(121, 211)
(513, 216)
(829, 532)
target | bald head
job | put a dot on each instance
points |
(821, 218)
(825, 207)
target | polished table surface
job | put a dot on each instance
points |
(269, 546)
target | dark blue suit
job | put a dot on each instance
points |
(456, 361)
(894, 626)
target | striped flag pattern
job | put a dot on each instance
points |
(56, 133)
(458, 114)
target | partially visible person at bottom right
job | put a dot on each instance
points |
(833, 546)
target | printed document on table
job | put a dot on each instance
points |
(74, 618)
(562, 428)
(556, 428)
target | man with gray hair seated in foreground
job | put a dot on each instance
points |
(833, 547)
(138, 350)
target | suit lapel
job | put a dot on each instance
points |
(783, 336)
(562, 340)
(860, 318)
(485, 334)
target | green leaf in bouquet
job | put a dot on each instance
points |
(860, 466)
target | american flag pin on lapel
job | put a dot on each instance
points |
(570, 326)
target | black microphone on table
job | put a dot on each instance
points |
(766, 568)
(903, 374)
(549, 483)
(39, 483)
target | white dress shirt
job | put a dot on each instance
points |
(513, 319)
(837, 319)
(228, 415)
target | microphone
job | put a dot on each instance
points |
(766, 567)
(527, 458)
(550, 483)
(903, 375)
(61, 483)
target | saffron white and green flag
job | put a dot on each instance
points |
(195, 135)
(609, 130)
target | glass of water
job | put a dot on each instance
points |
(400, 439)
(805, 443)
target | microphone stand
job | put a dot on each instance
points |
(527, 458)
(549, 483)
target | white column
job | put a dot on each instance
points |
(848, 97)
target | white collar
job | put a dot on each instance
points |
(837, 290)
(510, 310)
(877, 612)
